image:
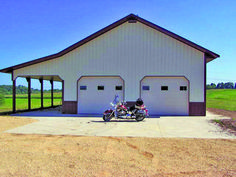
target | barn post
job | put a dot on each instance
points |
(41, 82)
(51, 81)
(14, 96)
(63, 104)
(29, 92)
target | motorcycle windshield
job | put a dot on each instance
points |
(116, 100)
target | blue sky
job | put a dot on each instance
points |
(32, 29)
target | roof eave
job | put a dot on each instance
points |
(211, 56)
(7, 70)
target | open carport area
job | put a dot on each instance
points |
(53, 123)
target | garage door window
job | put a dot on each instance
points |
(100, 87)
(83, 87)
(119, 87)
(183, 88)
(145, 87)
(164, 88)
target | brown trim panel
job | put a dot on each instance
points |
(197, 109)
(69, 107)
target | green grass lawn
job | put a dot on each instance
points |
(221, 99)
(22, 101)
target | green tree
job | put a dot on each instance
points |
(2, 98)
(211, 86)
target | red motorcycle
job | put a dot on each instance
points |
(119, 110)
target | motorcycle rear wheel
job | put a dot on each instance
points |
(107, 117)
(139, 117)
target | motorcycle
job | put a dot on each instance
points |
(119, 110)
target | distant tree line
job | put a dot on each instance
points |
(221, 85)
(7, 90)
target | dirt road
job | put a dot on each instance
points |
(46, 155)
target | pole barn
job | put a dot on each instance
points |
(131, 57)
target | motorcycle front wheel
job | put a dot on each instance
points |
(139, 117)
(107, 117)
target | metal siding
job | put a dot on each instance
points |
(132, 50)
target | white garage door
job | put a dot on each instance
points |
(165, 95)
(96, 93)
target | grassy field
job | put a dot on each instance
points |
(22, 101)
(221, 99)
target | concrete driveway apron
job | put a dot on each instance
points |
(168, 127)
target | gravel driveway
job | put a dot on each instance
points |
(184, 127)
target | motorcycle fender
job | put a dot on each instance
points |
(108, 111)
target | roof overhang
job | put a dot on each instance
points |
(44, 77)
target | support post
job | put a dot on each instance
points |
(41, 82)
(63, 90)
(14, 96)
(29, 92)
(63, 104)
(51, 81)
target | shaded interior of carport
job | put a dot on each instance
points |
(41, 81)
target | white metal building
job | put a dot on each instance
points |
(133, 58)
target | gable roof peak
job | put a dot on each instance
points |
(131, 18)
